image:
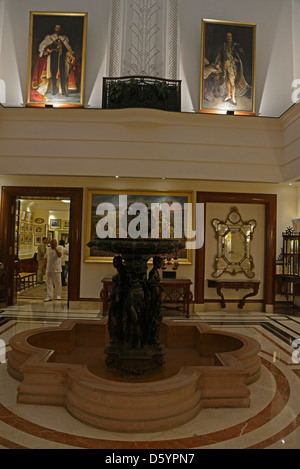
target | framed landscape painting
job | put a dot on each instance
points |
(227, 78)
(96, 197)
(56, 59)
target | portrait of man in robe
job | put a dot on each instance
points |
(56, 59)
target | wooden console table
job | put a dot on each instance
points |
(235, 285)
(174, 291)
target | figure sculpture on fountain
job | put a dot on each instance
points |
(154, 302)
(135, 312)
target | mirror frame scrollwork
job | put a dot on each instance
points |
(234, 228)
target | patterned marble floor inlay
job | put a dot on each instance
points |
(272, 421)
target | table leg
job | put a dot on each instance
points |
(243, 300)
(104, 299)
(223, 304)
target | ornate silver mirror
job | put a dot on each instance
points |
(234, 236)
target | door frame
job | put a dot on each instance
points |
(270, 203)
(9, 194)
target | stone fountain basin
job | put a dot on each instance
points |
(65, 366)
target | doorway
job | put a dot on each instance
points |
(37, 222)
(11, 211)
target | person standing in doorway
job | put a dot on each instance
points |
(41, 251)
(67, 248)
(52, 262)
(63, 263)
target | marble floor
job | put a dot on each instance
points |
(271, 422)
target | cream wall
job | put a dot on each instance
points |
(91, 274)
(135, 142)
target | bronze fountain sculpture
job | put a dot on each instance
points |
(135, 313)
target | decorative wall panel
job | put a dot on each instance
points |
(144, 38)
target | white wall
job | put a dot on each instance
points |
(277, 56)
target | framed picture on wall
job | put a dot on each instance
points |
(227, 78)
(55, 224)
(64, 236)
(39, 229)
(56, 65)
(96, 197)
(38, 240)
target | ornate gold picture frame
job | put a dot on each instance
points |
(56, 59)
(227, 77)
(94, 197)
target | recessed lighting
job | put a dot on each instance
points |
(66, 201)
(290, 183)
(116, 177)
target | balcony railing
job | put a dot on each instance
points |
(141, 92)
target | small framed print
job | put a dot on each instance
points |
(66, 224)
(55, 224)
(39, 229)
(22, 227)
(56, 65)
(22, 239)
(37, 240)
(227, 78)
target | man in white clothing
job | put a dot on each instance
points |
(41, 251)
(53, 270)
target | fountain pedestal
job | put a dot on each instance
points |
(135, 312)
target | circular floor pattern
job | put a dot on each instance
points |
(221, 437)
